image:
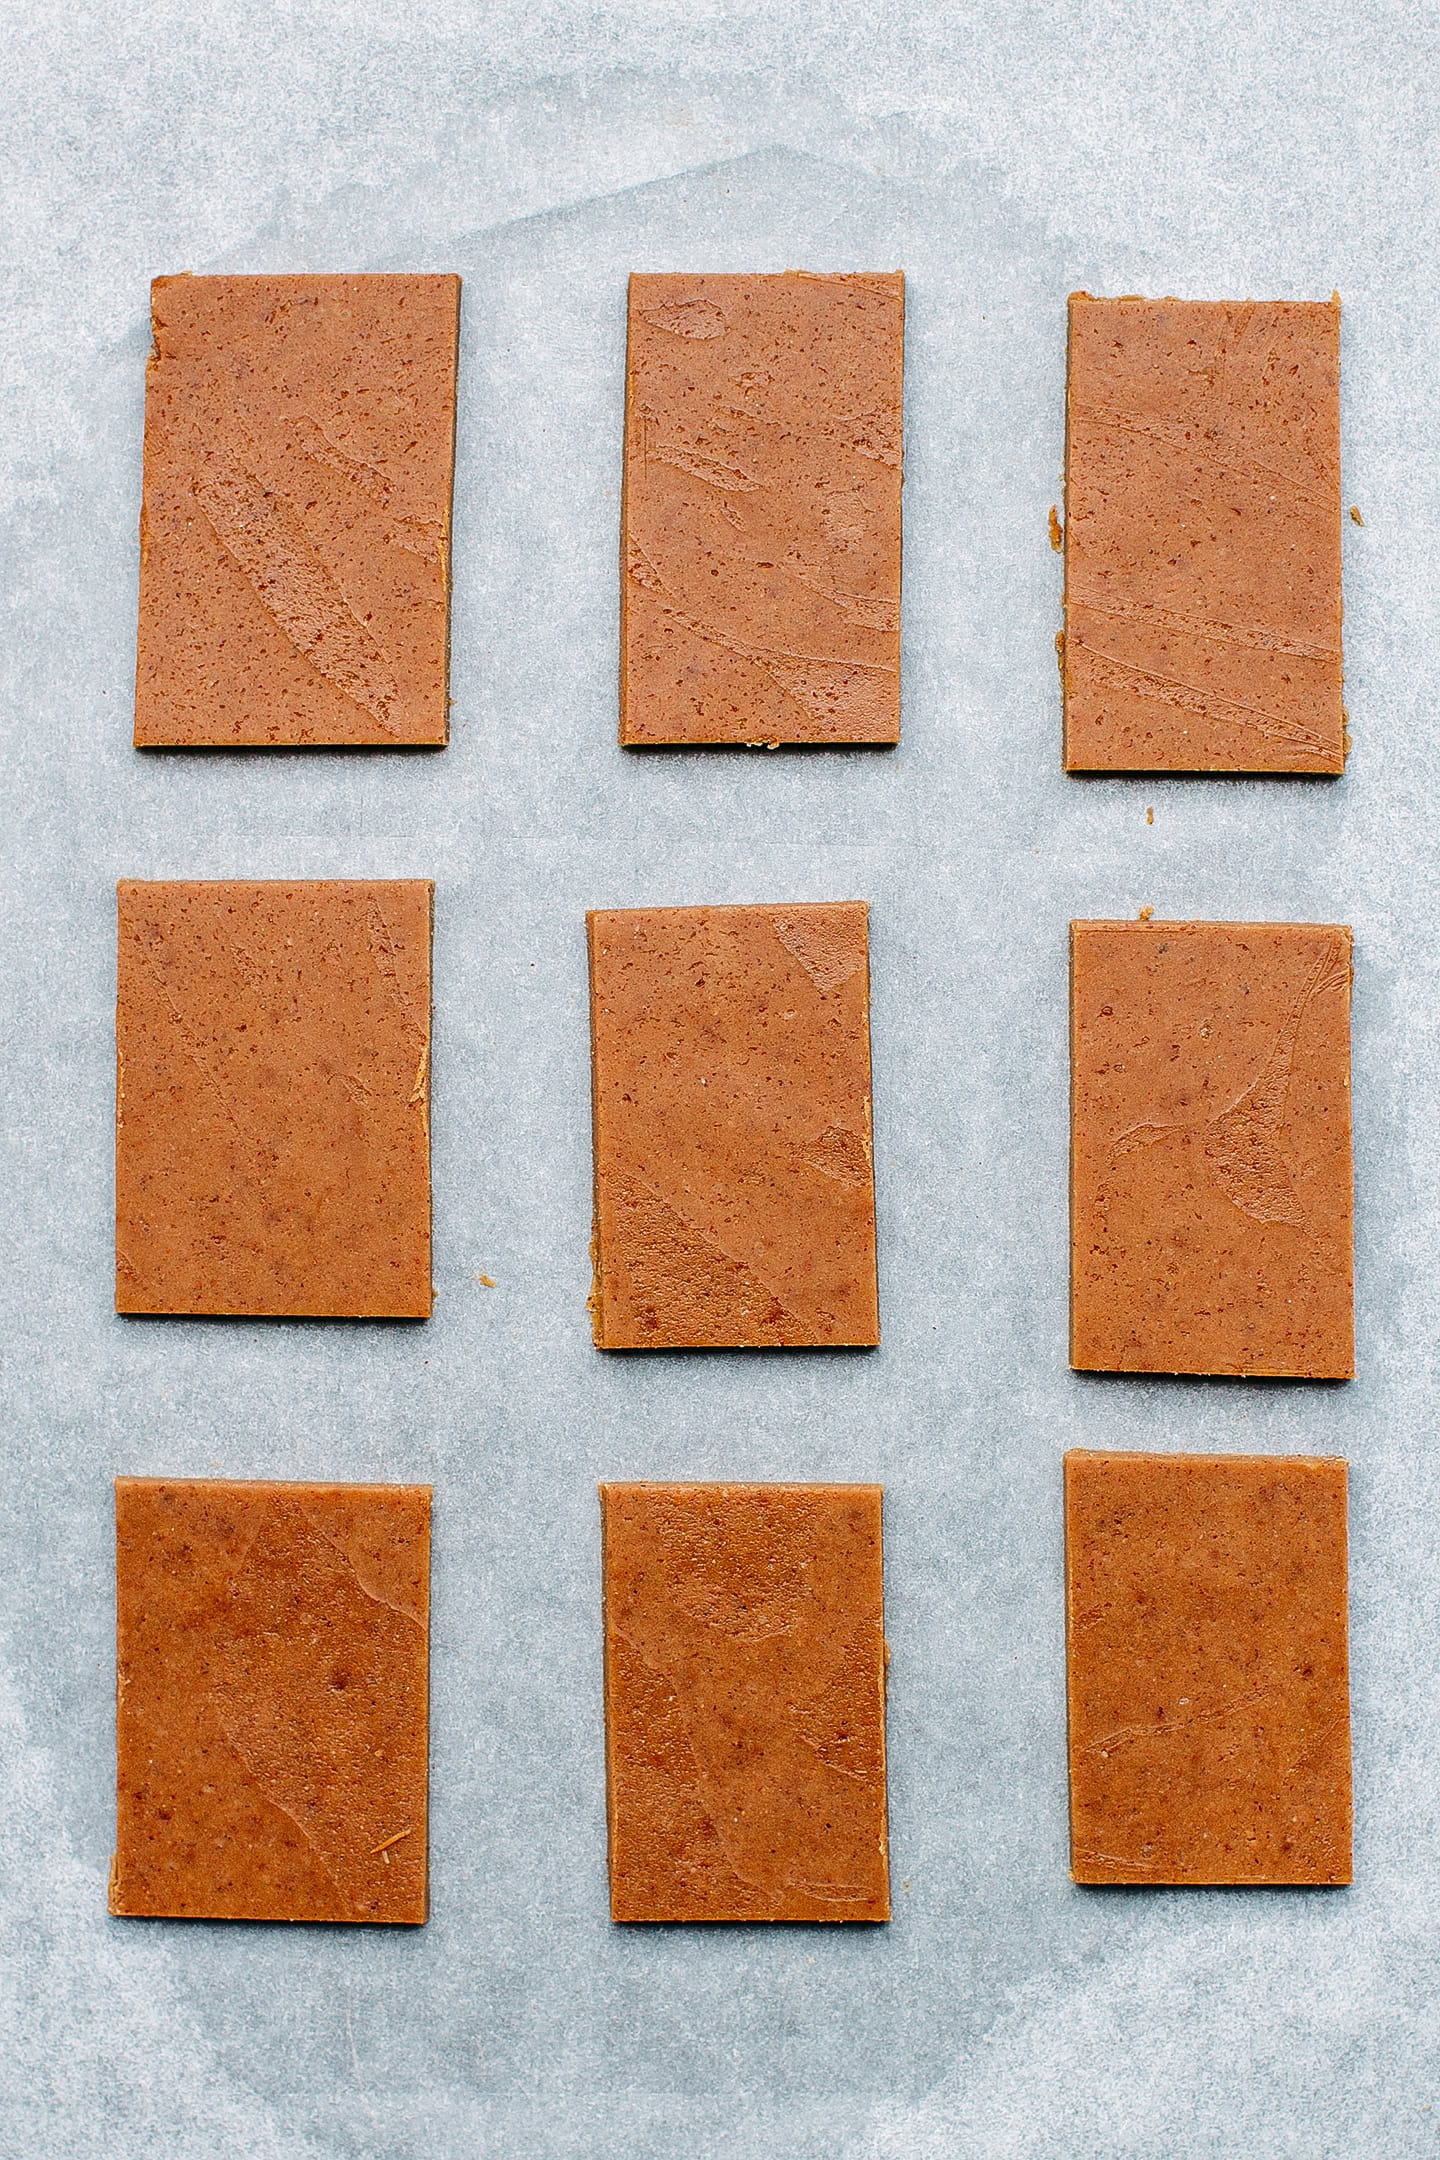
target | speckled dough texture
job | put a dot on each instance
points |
(1207, 1600)
(295, 534)
(760, 593)
(745, 1702)
(734, 1186)
(1212, 1205)
(272, 1700)
(272, 1109)
(1202, 537)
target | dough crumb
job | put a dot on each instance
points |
(485, 1279)
(1145, 914)
(1057, 536)
(1150, 815)
(1355, 516)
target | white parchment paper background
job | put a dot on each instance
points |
(1001, 153)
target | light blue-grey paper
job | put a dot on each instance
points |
(1001, 153)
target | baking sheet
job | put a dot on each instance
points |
(1001, 155)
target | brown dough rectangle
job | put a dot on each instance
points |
(1211, 1183)
(295, 535)
(272, 1116)
(760, 590)
(1202, 537)
(745, 1702)
(1207, 1599)
(734, 1188)
(272, 1708)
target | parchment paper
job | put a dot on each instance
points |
(1001, 154)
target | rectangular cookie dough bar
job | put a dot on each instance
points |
(745, 1702)
(272, 1700)
(272, 1111)
(760, 588)
(1211, 1184)
(734, 1188)
(295, 534)
(1207, 1598)
(1202, 537)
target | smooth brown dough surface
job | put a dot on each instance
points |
(295, 535)
(1211, 1188)
(734, 1189)
(272, 1700)
(745, 1702)
(760, 591)
(1209, 1679)
(1202, 537)
(272, 1108)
